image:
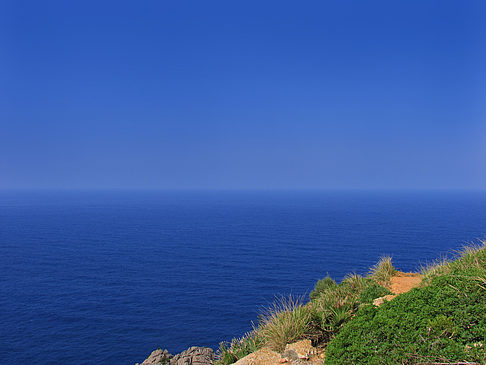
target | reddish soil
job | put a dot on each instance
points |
(402, 282)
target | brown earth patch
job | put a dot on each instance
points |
(400, 283)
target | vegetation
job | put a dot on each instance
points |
(336, 305)
(443, 321)
(238, 348)
(285, 322)
(289, 320)
(383, 270)
(321, 286)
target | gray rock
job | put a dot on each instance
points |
(157, 357)
(194, 356)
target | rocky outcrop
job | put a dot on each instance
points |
(302, 350)
(298, 353)
(263, 356)
(157, 357)
(194, 356)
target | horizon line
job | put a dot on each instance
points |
(259, 189)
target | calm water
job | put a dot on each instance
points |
(107, 277)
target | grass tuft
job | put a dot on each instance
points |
(238, 348)
(336, 305)
(284, 322)
(383, 270)
(321, 286)
(468, 258)
(436, 268)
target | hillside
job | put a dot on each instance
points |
(437, 316)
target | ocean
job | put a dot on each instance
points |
(107, 277)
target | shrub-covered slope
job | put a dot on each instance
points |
(441, 322)
(444, 321)
(331, 306)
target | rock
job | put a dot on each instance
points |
(157, 357)
(379, 301)
(194, 356)
(301, 349)
(298, 353)
(263, 356)
(302, 352)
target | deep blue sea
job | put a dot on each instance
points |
(107, 277)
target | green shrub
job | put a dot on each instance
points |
(289, 320)
(336, 305)
(321, 286)
(371, 292)
(443, 321)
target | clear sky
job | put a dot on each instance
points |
(243, 94)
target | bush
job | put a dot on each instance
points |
(443, 321)
(337, 304)
(289, 320)
(371, 292)
(321, 286)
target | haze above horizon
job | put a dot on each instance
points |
(242, 95)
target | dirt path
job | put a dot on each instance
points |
(400, 283)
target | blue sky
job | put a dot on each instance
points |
(242, 94)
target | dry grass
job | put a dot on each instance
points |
(284, 322)
(472, 256)
(355, 281)
(333, 305)
(383, 270)
(435, 268)
(238, 348)
(337, 298)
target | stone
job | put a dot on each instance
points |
(194, 356)
(264, 356)
(300, 350)
(379, 301)
(157, 357)
(298, 353)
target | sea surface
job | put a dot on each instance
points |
(107, 277)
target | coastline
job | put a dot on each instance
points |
(289, 333)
